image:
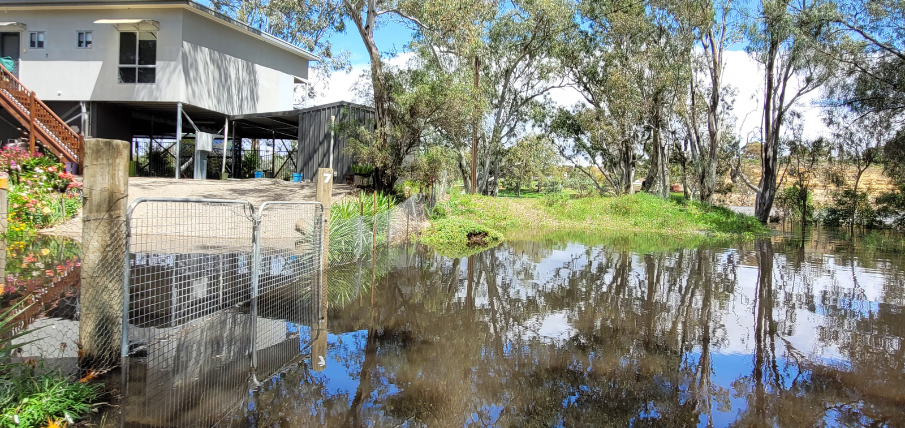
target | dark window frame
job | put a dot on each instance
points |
(37, 40)
(84, 37)
(137, 64)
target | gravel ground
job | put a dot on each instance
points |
(255, 191)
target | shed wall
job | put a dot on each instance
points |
(314, 138)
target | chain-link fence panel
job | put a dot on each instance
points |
(101, 294)
(189, 328)
(406, 219)
(288, 300)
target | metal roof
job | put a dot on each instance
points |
(188, 4)
(280, 124)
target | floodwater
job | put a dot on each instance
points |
(580, 331)
(563, 331)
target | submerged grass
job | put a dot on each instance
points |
(682, 221)
(31, 396)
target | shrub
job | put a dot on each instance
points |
(556, 198)
(891, 207)
(839, 213)
(789, 201)
(458, 237)
(365, 170)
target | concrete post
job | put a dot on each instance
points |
(324, 195)
(106, 178)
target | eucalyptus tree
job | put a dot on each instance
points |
(426, 106)
(871, 91)
(598, 144)
(532, 156)
(783, 36)
(517, 71)
(628, 60)
(308, 24)
(857, 140)
(716, 29)
(445, 25)
(873, 54)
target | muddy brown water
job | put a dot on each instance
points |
(787, 331)
(796, 330)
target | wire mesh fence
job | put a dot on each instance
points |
(288, 301)
(218, 293)
(357, 237)
(188, 328)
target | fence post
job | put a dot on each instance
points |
(324, 195)
(255, 284)
(4, 226)
(106, 177)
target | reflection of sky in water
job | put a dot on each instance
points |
(811, 297)
(343, 366)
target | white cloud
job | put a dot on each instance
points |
(747, 76)
(742, 73)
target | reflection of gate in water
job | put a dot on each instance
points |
(218, 291)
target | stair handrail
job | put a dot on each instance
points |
(73, 151)
(75, 135)
(11, 76)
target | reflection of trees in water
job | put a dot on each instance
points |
(461, 342)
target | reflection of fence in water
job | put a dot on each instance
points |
(190, 325)
(215, 289)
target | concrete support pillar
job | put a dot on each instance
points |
(106, 178)
(324, 195)
(178, 162)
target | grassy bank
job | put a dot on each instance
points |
(635, 214)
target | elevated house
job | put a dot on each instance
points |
(148, 71)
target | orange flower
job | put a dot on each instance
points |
(55, 424)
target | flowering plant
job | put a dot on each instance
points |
(41, 192)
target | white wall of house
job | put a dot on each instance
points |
(241, 74)
(63, 72)
(200, 61)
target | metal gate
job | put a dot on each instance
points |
(218, 294)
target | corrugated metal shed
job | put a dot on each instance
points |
(312, 126)
(314, 136)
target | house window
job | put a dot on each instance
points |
(85, 39)
(137, 56)
(36, 40)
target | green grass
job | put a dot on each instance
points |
(30, 399)
(449, 236)
(30, 396)
(630, 214)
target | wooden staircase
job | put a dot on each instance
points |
(43, 125)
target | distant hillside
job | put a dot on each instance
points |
(872, 181)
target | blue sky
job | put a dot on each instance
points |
(390, 37)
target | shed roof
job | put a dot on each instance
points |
(281, 124)
(187, 4)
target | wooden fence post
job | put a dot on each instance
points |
(4, 226)
(106, 178)
(324, 195)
